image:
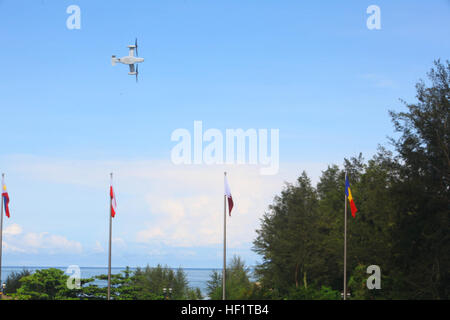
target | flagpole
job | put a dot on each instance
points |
(345, 241)
(1, 233)
(224, 242)
(110, 238)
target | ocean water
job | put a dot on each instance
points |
(197, 277)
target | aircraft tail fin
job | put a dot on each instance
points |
(113, 60)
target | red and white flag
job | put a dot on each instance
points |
(228, 194)
(113, 200)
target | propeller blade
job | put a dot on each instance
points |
(136, 45)
(137, 72)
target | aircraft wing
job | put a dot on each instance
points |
(131, 67)
(131, 52)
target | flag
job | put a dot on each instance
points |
(348, 192)
(228, 194)
(5, 198)
(113, 200)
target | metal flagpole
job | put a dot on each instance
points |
(224, 242)
(345, 240)
(1, 231)
(109, 254)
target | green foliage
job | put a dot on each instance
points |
(402, 221)
(13, 283)
(310, 293)
(290, 239)
(422, 191)
(121, 287)
(237, 282)
(45, 284)
(150, 282)
(145, 284)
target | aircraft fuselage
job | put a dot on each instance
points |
(130, 60)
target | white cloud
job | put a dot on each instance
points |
(13, 230)
(32, 242)
(98, 248)
(8, 247)
(119, 243)
(175, 205)
(149, 233)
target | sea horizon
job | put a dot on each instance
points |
(121, 267)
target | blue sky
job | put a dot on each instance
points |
(312, 70)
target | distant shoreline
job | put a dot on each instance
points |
(102, 267)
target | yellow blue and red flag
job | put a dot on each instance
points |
(348, 192)
(5, 198)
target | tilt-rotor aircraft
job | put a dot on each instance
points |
(130, 59)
